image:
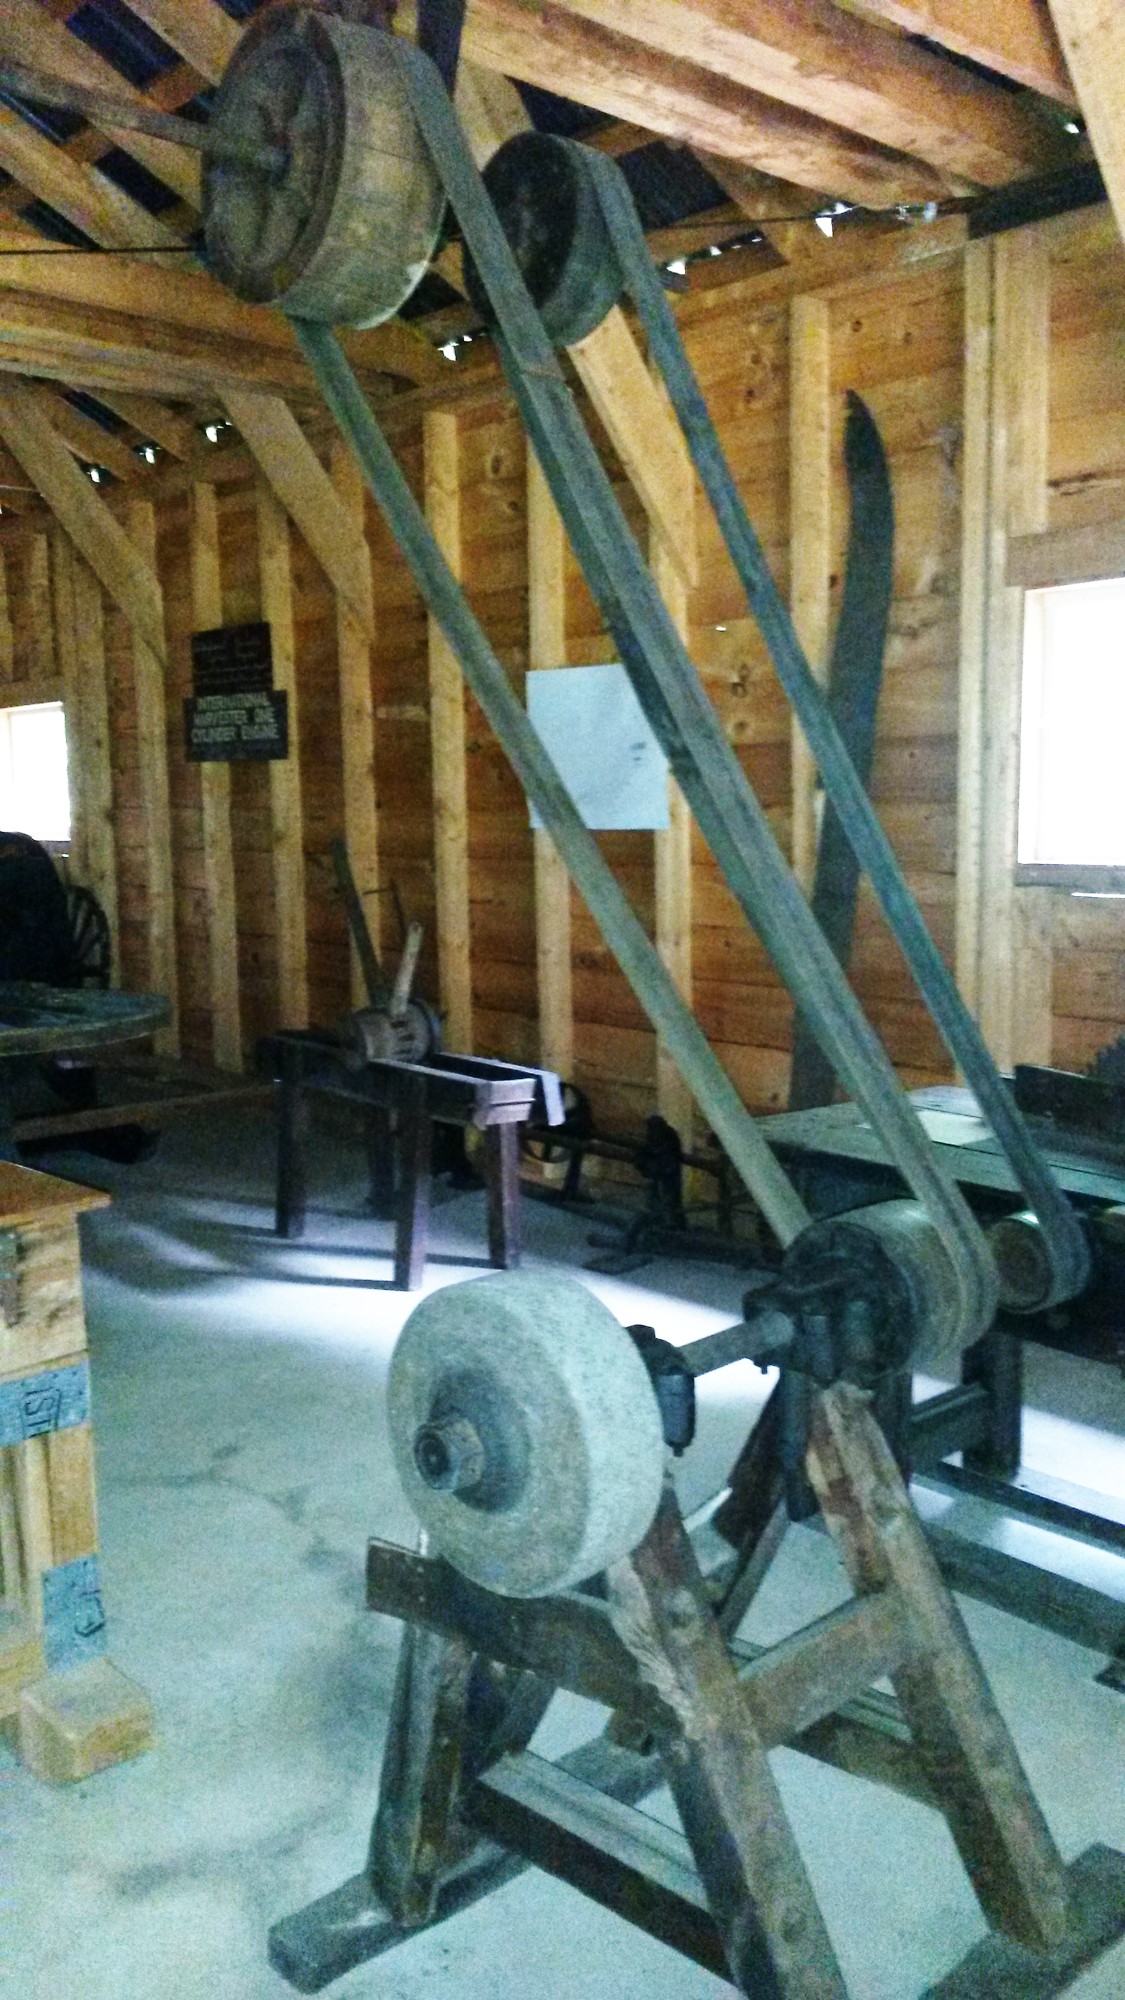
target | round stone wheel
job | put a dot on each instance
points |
(348, 230)
(525, 1430)
(545, 195)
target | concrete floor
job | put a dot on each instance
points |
(242, 1461)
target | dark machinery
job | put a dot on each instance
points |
(528, 1426)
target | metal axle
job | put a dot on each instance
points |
(100, 106)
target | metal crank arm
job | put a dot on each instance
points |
(726, 808)
(1062, 1237)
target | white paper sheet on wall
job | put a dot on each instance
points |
(600, 743)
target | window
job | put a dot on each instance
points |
(34, 796)
(1072, 737)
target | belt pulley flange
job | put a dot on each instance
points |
(346, 232)
(525, 1430)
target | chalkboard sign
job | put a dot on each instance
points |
(235, 715)
(242, 727)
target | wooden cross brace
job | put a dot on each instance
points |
(464, 1804)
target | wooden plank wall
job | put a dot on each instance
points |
(900, 343)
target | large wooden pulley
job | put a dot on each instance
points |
(345, 231)
(545, 195)
(525, 1431)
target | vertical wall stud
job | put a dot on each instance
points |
(286, 819)
(152, 748)
(447, 741)
(546, 591)
(214, 785)
(357, 720)
(810, 541)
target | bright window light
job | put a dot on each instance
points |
(34, 797)
(1072, 799)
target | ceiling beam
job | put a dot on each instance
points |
(1092, 33)
(849, 72)
(123, 573)
(296, 476)
(198, 308)
(1014, 37)
(550, 45)
(29, 35)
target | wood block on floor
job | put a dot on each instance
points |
(73, 1724)
(21, 1656)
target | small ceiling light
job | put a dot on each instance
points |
(450, 350)
(95, 475)
(824, 222)
(678, 267)
(211, 433)
(1072, 125)
(466, 338)
(148, 453)
(720, 628)
(714, 250)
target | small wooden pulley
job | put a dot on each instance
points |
(345, 230)
(546, 198)
(525, 1431)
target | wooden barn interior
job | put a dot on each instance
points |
(915, 203)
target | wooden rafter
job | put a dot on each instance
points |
(1092, 33)
(849, 72)
(86, 439)
(154, 420)
(546, 44)
(86, 198)
(1013, 37)
(200, 32)
(29, 35)
(297, 477)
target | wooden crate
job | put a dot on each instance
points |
(72, 1711)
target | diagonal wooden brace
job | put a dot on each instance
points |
(958, 1730)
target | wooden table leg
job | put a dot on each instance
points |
(502, 1172)
(292, 1153)
(415, 1147)
(379, 1140)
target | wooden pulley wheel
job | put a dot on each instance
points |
(346, 231)
(525, 1430)
(546, 198)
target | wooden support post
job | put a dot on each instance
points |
(546, 607)
(810, 543)
(92, 725)
(7, 642)
(1015, 952)
(357, 717)
(673, 860)
(214, 788)
(286, 820)
(37, 584)
(447, 737)
(66, 651)
(976, 469)
(152, 750)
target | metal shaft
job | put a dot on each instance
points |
(101, 108)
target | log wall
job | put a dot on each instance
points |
(899, 340)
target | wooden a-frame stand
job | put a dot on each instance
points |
(464, 1805)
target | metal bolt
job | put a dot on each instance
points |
(449, 1455)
